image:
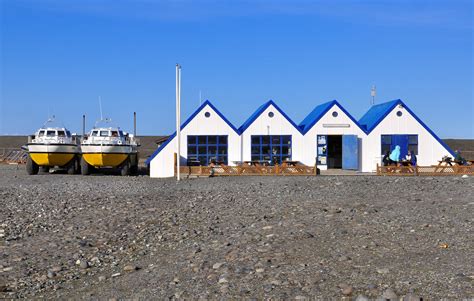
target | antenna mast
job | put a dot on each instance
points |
(373, 93)
(100, 106)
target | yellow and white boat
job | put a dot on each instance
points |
(52, 147)
(109, 147)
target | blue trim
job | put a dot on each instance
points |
(259, 112)
(183, 125)
(318, 113)
(158, 150)
(377, 113)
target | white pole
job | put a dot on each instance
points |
(178, 126)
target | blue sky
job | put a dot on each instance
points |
(58, 57)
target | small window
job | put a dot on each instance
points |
(207, 114)
(94, 133)
(399, 113)
(51, 133)
(41, 134)
(114, 134)
(334, 114)
(104, 133)
(61, 134)
(270, 114)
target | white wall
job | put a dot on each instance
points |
(309, 140)
(429, 149)
(276, 125)
(162, 164)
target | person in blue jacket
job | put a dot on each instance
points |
(395, 155)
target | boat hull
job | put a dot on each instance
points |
(52, 154)
(106, 155)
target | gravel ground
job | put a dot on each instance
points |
(243, 237)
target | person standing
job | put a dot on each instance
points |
(395, 155)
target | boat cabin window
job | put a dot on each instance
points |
(94, 133)
(68, 133)
(114, 134)
(50, 133)
(61, 134)
(41, 134)
(104, 133)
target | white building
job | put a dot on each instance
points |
(329, 137)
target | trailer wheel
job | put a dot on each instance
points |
(85, 167)
(125, 168)
(31, 167)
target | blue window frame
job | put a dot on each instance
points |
(406, 143)
(271, 148)
(204, 149)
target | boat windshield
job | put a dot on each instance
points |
(94, 133)
(50, 133)
(104, 133)
(41, 134)
(68, 133)
(61, 134)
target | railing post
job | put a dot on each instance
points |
(378, 170)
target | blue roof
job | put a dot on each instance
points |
(319, 112)
(259, 112)
(315, 115)
(376, 114)
(183, 125)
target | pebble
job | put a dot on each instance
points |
(83, 264)
(217, 265)
(130, 268)
(389, 294)
(383, 271)
(116, 275)
(102, 278)
(347, 290)
(361, 298)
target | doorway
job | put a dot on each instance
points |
(334, 151)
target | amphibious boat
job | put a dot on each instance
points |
(109, 147)
(52, 147)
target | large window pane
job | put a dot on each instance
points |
(211, 139)
(212, 149)
(202, 139)
(255, 139)
(191, 139)
(191, 150)
(413, 139)
(222, 139)
(386, 139)
(202, 149)
(265, 139)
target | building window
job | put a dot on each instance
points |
(413, 144)
(270, 114)
(207, 114)
(204, 149)
(334, 114)
(271, 148)
(399, 113)
(406, 143)
(386, 144)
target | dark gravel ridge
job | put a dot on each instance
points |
(247, 237)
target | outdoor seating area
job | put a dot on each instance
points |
(434, 170)
(290, 168)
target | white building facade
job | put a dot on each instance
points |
(328, 137)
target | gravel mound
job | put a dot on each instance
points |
(359, 237)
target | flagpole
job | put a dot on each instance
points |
(178, 121)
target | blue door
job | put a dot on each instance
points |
(402, 141)
(350, 152)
